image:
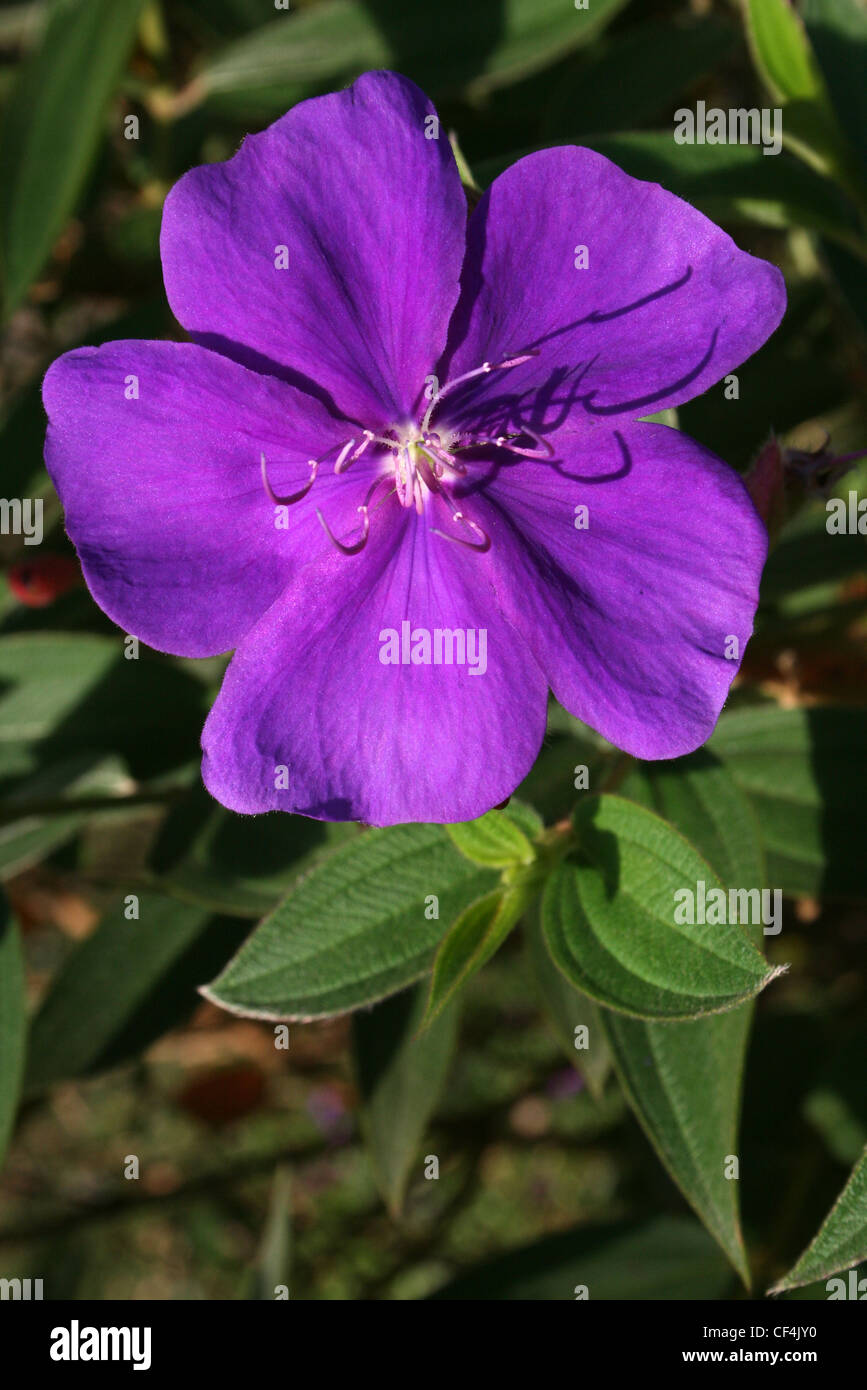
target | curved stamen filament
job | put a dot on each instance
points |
(468, 376)
(293, 496)
(484, 541)
(340, 463)
(353, 547)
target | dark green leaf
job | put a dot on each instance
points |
(570, 1010)
(670, 1258)
(663, 1066)
(842, 1239)
(125, 986)
(636, 73)
(838, 32)
(804, 772)
(62, 693)
(242, 865)
(450, 49)
(700, 798)
(26, 837)
(400, 1077)
(13, 1022)
(51, 128)
(683, 1080)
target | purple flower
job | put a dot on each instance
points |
(400, 469)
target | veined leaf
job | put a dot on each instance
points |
(361, 925)
(496, 839)
(478, 933)
(664, 1067)
(610, 921)
(700, 798)
(683, 1080)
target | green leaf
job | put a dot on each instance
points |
(842, 1239)
(272, 1265)
(449, 49)
(683, 1081)
(26, 837)
(61, 693)
(355, 929)
(608, 916)
(701, 799)
(13, 1023)
(400, 1078)
(568, 1009)
(783, 53)
(838, 32)
(124, 986)
(787, 65)
(52, 126)
(495, 839)
(663, 1066)
(804, 772)
(669, 1258)
(652, 62)
(478, 933)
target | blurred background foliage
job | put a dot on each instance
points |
(261, 1166)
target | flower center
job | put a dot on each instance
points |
(422, 462)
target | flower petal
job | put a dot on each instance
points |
(371, 215)
(632, 617)
(666, 306)
(308, 691)
(155, 451)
